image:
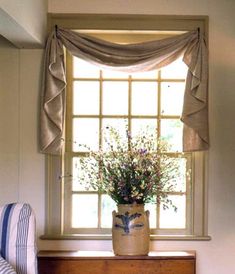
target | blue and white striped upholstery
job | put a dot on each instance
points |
(5, 267)
(17, 237)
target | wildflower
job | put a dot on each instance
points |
(120, 183)
(111, 189)
(142, 151)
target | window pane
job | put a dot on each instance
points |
(114, 74)
(119, 125)
(85, 133)
(81, 178)
(175, 70)
(145, 75)
(144, 98)
(174, 219)
(107, 207)
(181, 182)
(84, 210)
(153, 214)
(172, 95)
(83, 69)
(146, 126)
(172, 132)
(86, 97)
(115, 98)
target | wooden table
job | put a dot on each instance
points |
(101, 262)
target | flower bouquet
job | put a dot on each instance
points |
(131, 169)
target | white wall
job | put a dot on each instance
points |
(9, 121)
(22, 168)
(31, 163)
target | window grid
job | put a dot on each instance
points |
(69, 153)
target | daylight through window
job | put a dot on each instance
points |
(98, 98)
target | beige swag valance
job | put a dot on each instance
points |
(129, 58)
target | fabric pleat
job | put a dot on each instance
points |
(130, 58)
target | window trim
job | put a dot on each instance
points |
(128, 22)
(54, 189)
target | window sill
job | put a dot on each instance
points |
(109, 237)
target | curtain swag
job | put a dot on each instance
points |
(129, 58)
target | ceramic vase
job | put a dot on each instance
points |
(130, 230)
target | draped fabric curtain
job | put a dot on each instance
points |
(128, 58)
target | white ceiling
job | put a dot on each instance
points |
(23, 23)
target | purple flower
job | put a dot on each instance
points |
(128, 134)
(142, 151)
(120, 184)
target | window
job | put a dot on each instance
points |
(101, 98)
(97, 98)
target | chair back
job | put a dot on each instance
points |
(18, 237)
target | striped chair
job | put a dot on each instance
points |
(17, 237)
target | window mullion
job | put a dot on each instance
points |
(129, 102)
(66, 182)
(69, 103)
(158, 133)
(100, 141)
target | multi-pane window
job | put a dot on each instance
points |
(98, 98)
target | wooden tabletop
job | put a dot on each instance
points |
(110, 255)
